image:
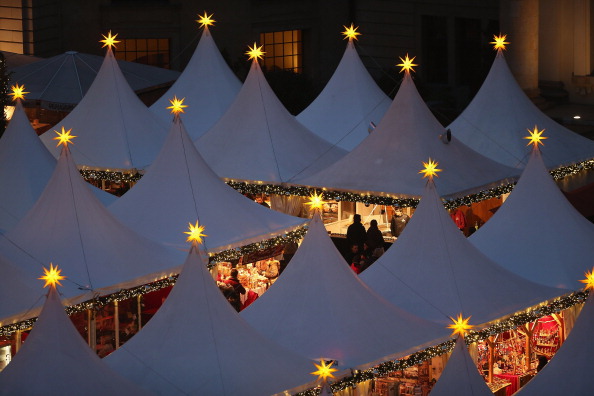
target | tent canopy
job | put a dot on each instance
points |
(496, 121)
(388, 160)
(320, 308)
(257, 139)
(208, 85)
(350, 102)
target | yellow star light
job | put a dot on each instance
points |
(18, 92)
(499, 42)
(324, 371)
(407, 64)
(351, 32)
(535, 137)
(589, 281)
(316, 201)
(196, 233)
(109, 40)
(64, 137)
(177, 105)
(430, 169)
(52, 276)
(460, 325)
(205, 20)
(255, 52)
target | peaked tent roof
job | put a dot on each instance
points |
(570, 371)
(180, 188)
(351, 100)
(388, 160)
(14, 60)
(496, 120)
(257, 139)
(25, 168)
(19, 291)
(460, 376)
(537, 233)
(116, 130)
(448, 275)
(55, 360)
(196, 344)
(60, 82)
(207, 83)
(69, 226)
(320, 308)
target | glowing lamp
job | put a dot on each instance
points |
(255, 52)
(18, 92)
(205, 20)
(589, 281)
(499, 42)
(350, 32)
(407, 64)
(109, 40)
(177, 105)
(460, 325)
(64, 137)
(535, 137)
(430, 169)
(324, 371)
(196, 233)
(316, 201)
(52, 276)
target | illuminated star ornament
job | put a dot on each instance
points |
(499, 43)
(316, 201)
(430, 169)
(460, 325)
(255, 52)
(535, 137)
(351, 32)
(407, 64)
(324, 371)
(109, 40)
(196, 233)
(18, 92)
(64, 137)
(589, 281)
(205, 20)
(52, 276)
(177, 105)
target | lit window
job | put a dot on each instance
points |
(153, 51)
(283, 50)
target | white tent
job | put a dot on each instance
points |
(69, 226)
(496, 120)
(460, 376)
(257, 139)
(433, 271)
(537, 233)
(570, 371)
(388, 159)
(55, 360)
(207, 83)
(196, 344)
(180, 188)
(320, 308)
(343, 112)
(19, 291)
(60, 82)
(115, 129)
(25, 168)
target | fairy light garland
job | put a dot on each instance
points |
(226, 255)
(111, 176)
(417, 358)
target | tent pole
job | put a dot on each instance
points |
(491, 345)
(116, 321)
(17, 341)
(139, 308)
(92, 326)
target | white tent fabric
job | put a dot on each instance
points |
(207, 83)
(497, 119)
(320, 308)
(433, 271)
(55, 360)
(180, 188)
(537, 233)
(115, 129)
(344, 110)
(257, 139)
(388, 160)
(70, 227)
(196, 344)
(25, 168)
(570, 371)
(60, 82)
(460, 376)
(19, 291)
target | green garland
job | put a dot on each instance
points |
(125, 294)
(417, 358)
(111, 176)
